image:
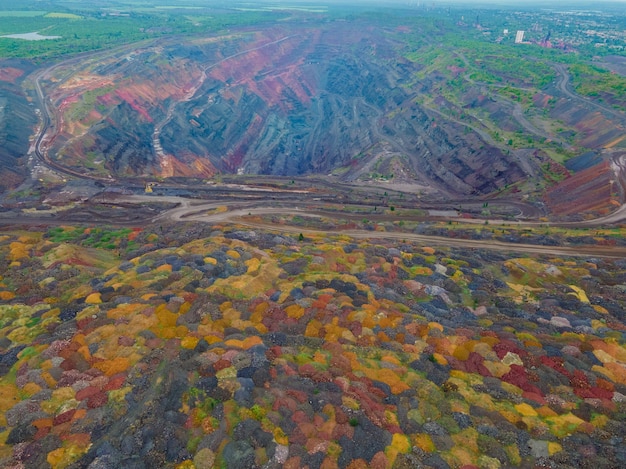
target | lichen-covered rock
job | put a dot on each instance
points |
(365, 365)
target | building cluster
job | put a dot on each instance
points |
(553, 28)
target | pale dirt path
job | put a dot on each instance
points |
(494, 245)
(565, 87)
(516, 108)
(191, 210)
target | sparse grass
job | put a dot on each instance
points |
(21, 14)
(81, 109)
(90, 237)
(594, 82)
(93, 31)
(69, 16)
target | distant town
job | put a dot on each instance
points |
(563, 28)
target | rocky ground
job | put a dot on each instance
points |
(282, 100)
(211, 346)
(17, 120)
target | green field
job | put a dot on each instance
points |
(21, 14)
(94, 31)
(70, 16)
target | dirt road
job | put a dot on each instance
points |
(193, 210)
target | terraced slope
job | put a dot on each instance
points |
(285, 101)
(17, 119)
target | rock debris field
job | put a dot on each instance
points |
(196, 346)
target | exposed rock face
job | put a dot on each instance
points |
(17, 119)
(126, 141)
(286, 101)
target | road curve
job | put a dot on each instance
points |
(191, 210)
(494, 245)
(188, 209)
(48, 116)
(46, 124)
(563, 84)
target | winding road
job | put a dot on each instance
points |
(40, 149)
(191, 210)
(563, 84)
(50, 119)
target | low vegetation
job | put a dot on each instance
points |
(253, 348)
(193, 346)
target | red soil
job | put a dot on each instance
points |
(541, 100)
(107, 99)
(10, 74)
(586, 191)
(285, 77)
(188, 165)
(236, 157)
(125, 95)
(68, 101)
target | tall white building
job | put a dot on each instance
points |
(519, 37)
